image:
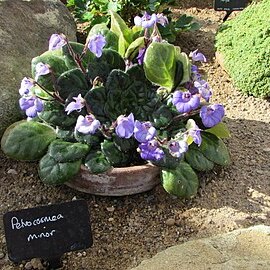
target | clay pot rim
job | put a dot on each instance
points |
(116, 170)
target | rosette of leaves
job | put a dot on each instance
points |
(110, 89)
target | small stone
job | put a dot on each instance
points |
(170, 221)
(28, 266)
(266, 149)
(12, 171)
(37, 264)
(2, 255)
(79, 254)
(111, 219)
(83, 253)
(110, 209)
(74, 198)
(38, 199)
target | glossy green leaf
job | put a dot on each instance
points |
(197, 160)
(27, 140)
(181, 182)
(220, 130)
(63, 151)
(96, 162)
(214, 149)
(52, 172)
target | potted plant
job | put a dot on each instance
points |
(124, 98)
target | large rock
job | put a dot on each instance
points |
(25, 27)
(243, 249)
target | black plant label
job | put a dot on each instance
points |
(47, 231)
(230, 5)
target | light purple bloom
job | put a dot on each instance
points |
(41, 69)
(96, 44)
(196, 76)
(26, 85)
(76, 105)
(177, 148)
(125, 126)
(197, 56)
(140, 56)
(185, 101)
(144, 132)
(195, 133)
(148, 21)
(150, 150)
(56, 42)
(204, 89)
(31, 105)
(87, 125)
(212, 114)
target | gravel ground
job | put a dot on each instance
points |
(128, 229)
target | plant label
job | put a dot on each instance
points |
(229, 5)
(47, 232)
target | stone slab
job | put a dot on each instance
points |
(243, 249)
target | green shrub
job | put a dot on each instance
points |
(244, 41)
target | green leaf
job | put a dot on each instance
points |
(63, 151)
(70, 81)
(214, 149)
(134, 47)
(125, 34)
(96, 162)
(119, 27)
(56, 62)
(220, 130)
(185, 67)
(160, 65)
(95, 100)
(27, 140)
(53, 113)
(197, 160)
(52, 172)
(113, 154)
(91, 140)
(102, 66)
(181, 182)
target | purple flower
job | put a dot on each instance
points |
(177, 148)
(144, 132)
(56, 41)
(31, 105)
(161, 19)
(195, 133)
(26, 85)
(212, 114)
(185, 101)
(150, 150)
(196, 76)
(75, 106)
(41, 69)
(148, 21)
(96, 44)
(87, 125)
(125, 126)
(197, 56)
(204, 89)
(140, 56)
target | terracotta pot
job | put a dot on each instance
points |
(117, 181)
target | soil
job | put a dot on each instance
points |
(128, 229)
